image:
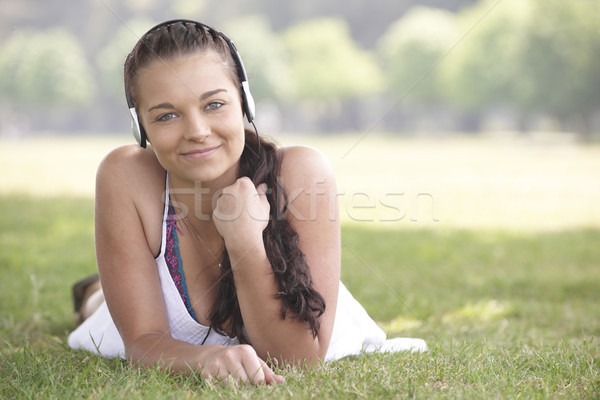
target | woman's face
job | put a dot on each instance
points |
(191, 110)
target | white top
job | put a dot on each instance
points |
(354, 331)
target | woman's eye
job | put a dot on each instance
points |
(166, 117)
(214, 105)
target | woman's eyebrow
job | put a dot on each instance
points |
(161, 105)
(211, 93)
(204, 96)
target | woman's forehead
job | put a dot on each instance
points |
(195, 74)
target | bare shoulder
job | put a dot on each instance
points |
(130, 167)
(303, 165)
(124, 160)
(129, 191)
(130, 176)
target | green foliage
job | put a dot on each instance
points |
(45, 68)
(326, 63)
(505, 314)
(412, 47)
(531, 57)
(485, 68)
(528, 54)
(561, 58)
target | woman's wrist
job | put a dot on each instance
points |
(240, 246)
(246, 256)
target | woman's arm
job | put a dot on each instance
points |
(129, 204)
(312, 212)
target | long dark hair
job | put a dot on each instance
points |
(290, 270)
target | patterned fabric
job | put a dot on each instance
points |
(173, 259)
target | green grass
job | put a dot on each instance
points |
(506, 313)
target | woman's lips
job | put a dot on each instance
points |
(201, 153)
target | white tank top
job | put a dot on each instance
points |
(353, 331)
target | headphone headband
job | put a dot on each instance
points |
(247, 100)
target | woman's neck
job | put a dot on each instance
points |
(196, 200)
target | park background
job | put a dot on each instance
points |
(464, 137)
(326, 67)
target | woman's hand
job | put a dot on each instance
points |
(239, 363)
(242, 213)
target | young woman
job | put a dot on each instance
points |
(216, 250)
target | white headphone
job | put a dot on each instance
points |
(248, 105)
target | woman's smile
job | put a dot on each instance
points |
(192, 111)
(203, 152)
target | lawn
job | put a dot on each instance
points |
(500, 273)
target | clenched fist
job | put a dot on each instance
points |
(242, 213)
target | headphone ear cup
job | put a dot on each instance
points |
(136, 128)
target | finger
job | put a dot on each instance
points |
(262, 189)
(244, 180)
(239, 375)
(254, 370)
(270, 376)
(262, 194)
(218, 376)
(228, 376)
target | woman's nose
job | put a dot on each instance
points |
(196, 128)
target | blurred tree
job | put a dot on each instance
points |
(327, 64)
(367, 19)
(264, 57)
(95, 23)
(411, 49)
(334, 80)
(561, 60)
(530, 55)
(485, 68)
(45, 68)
